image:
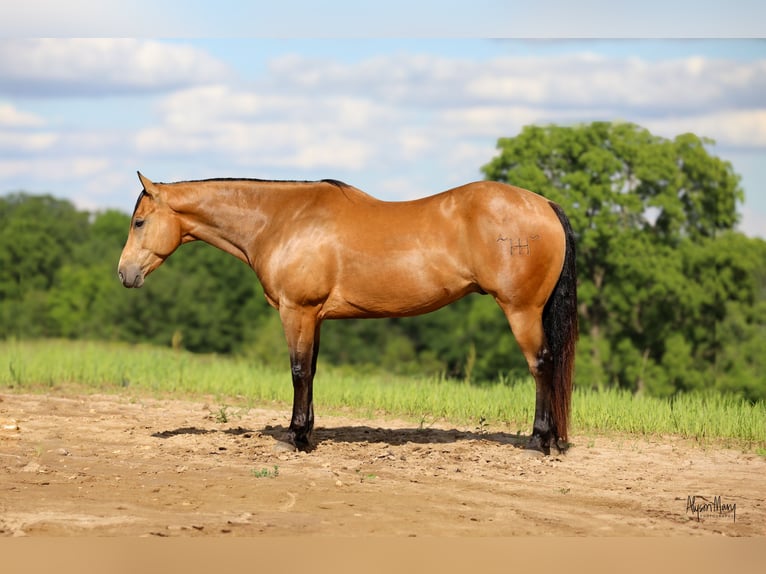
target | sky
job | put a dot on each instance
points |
(401, 110)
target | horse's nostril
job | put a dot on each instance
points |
(122, 277)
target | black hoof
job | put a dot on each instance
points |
(561, 445)
(537, 444)
(544, 444)
(300, 442)
(304, 444)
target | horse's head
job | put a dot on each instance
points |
(155, 232)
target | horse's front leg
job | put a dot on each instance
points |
(302, 420)
(302, 332)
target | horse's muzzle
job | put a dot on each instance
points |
(131, 276)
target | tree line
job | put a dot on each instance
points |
(671, 297)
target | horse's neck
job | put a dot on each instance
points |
(227, 218)
(233, 216)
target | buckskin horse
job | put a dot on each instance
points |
(326, 250)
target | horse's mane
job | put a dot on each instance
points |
(337, 183)
(140, 197)
(334, 182)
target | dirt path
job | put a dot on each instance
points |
(112, 465)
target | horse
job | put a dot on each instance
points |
(327, 250)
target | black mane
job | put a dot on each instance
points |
(337, 183)
(334, 182)
(140, 197)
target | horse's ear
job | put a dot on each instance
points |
(148, 184)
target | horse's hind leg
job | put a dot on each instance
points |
(527, 327)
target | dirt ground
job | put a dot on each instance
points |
(122, 466)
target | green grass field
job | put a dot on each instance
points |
(46, 366)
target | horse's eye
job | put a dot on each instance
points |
(139, 223)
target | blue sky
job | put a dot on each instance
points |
(396, 115)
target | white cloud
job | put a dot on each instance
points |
(265, 129)
(46, 18)
(459, 98)
(490, 120)
(398, 125)
(91, 67)
(412, 143)
(53, 170)
(403, 114)
(734, 128)
(10, 169)
(10, 117)
(276, 143)
(200, 107)
(21, 142)
(88, 166)
(573, 81)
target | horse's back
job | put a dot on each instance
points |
(473, 202)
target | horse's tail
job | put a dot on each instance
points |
(561, 331)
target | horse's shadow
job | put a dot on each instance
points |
(402, 436)
(198, 431)
(421, 436)
(365, 434)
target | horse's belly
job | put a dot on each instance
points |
(392, 293)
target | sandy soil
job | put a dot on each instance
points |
(121, 466)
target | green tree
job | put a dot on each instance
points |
(37, 234)
(739, 363)
(85, 298)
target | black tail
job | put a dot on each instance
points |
(561, 331)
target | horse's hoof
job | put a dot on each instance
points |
(536, 446)
(304, 445)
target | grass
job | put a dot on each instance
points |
(36, 366)
(265, 472)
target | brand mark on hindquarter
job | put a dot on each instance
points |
(519, 246)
